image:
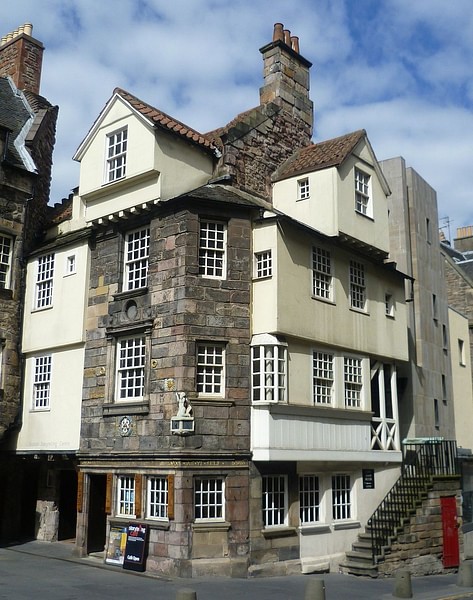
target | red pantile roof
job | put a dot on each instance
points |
(330, 153)
(165, 121)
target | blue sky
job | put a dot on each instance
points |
(401, 69)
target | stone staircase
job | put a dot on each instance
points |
(396, 513)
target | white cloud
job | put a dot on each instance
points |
(399, 69)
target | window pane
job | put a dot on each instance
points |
(309, 499)
(209, 498)
(136, 259)
(130, 368)
(210, 369)
(274, 500)
(341, 501)
(212, 243)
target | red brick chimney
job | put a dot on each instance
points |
(21, 57)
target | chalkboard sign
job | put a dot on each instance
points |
(368, 479)
(135, 548)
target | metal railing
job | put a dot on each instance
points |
(422, 462)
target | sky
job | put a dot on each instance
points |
(401, 69)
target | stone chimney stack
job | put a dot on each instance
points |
(286, 76)
(21, 57)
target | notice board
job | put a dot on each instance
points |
(116, 545)
(135, 548)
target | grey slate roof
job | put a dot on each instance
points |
(13, 116)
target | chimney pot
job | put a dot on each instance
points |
(287, 37)
(278, 33)
(28, 29)
(295, 43)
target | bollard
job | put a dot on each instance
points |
(315, 589)
(402, 585)
(465, 575)
(186, 594)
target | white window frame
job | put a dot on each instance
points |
(263, 264)
(212, 249)
(342, 504)
(322, 275)
(268, 369)
(6, 254)
(116, 151)
(274, 499)
(130, 368)
(209, 498)
(303, 188)
(323, 377)
(71, 265)
(42, 370)
(126, 491)
(136, 259)
(44, 281)
(210, 369)
(310, 499)
(357, 286)
(157, 497)
(363, 203)
(353, 382)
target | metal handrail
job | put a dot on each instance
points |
(422, 462)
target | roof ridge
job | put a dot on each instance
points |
(167, 121)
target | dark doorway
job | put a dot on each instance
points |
(67, 505)
(29, 496)
(97, 518)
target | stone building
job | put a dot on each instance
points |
(27, 136)
(166, 407)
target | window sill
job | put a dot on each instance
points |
(314, 528)
(125, 408)
(151, 523)
(211, 526)
(278, 532)
(346, 525)
(324, 300)
(369, 217)
(6, 294)
(360, 311)
(125, 294)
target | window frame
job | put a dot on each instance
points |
(357, 286)
(272, 373)
(363, 200)
(317, 376)
(210, 372)
(44, 284)
(268, 505)
(342, 497)
(389, 305)
(322, 274)
(157, 500)
(310, 499)
(217, 506)
(263, 264)
(212, 249)
(136, 259)
(121, 370)
(6, 260)
(41, 376)
(303, 188)
(126, 496)
(116, 155)
(353, 382)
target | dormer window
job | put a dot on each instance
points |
(116, 155)
(303, 190)
(362, 193)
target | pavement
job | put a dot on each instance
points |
(51, 571)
